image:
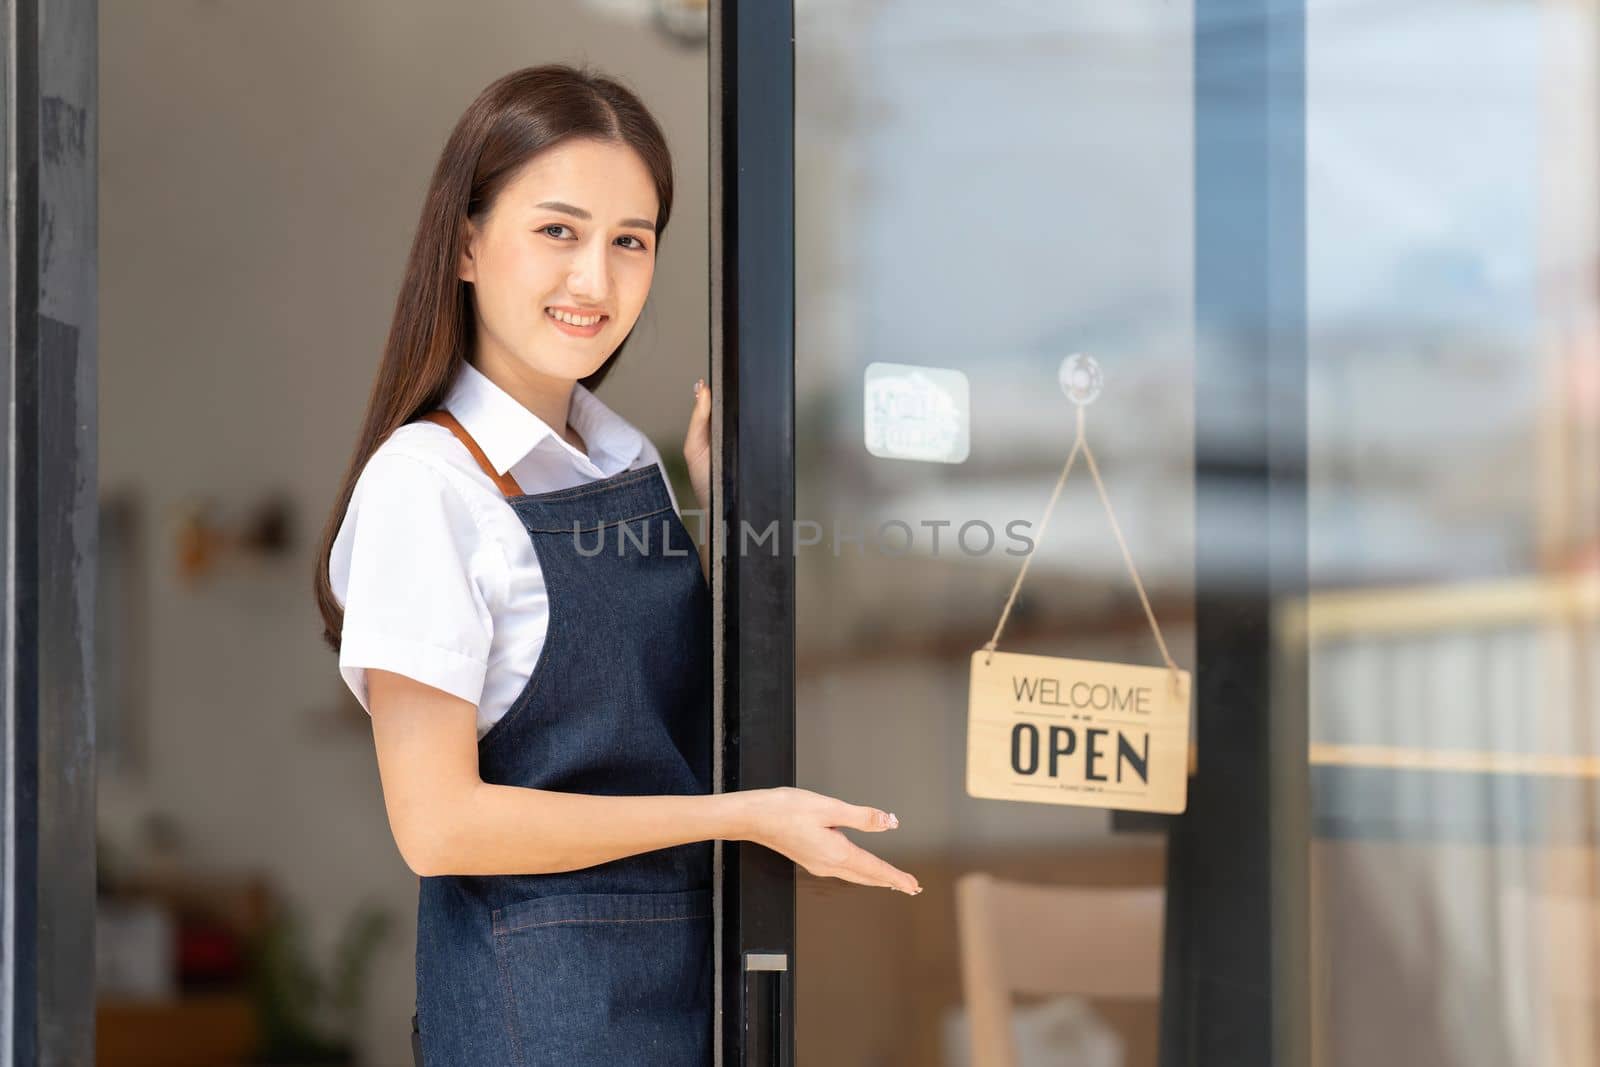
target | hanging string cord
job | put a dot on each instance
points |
(1082, 444)
(1016, 586)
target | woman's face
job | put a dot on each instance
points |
(571, 236)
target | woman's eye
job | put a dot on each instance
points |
(565, 231)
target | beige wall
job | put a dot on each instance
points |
(262, 167)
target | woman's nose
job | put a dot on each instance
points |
(590, 279)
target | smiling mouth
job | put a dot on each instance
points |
(574, 320)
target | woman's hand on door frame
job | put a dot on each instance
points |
(806, 827)
(697, 454)
(697, 445)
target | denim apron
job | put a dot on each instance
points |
(612, 964)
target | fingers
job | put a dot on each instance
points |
(864, 868)
(869, 869)
(873, 820)
(832, 854)
(698, 438)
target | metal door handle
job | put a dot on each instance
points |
(768, 1040)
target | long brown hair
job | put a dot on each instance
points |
(433, 332)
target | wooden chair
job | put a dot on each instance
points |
(1040, 939)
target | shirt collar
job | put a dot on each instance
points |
(507, 431)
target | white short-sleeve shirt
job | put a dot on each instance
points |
(438, 578)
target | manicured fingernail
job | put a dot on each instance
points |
(894, 820)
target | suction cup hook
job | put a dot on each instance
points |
(1080, 379)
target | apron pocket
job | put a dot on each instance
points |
(608, 978)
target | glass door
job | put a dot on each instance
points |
(926, 210)
(1337, 267)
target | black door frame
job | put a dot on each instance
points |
(48, 884)
(752, 331)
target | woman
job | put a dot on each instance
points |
(541, 709)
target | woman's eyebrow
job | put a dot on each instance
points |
(578, 212)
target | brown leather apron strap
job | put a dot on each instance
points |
(507, 484)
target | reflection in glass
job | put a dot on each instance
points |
(1453, 420)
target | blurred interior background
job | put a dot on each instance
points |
(979, 188)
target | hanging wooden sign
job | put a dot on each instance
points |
(1048, 730)
(1071, 731)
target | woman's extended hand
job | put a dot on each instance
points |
(805, 826)
(697, 446)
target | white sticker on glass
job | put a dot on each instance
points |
(920, 413)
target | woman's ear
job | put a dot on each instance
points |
(467, 270)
